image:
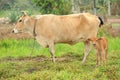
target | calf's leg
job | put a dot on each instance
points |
(98, 58)
(106, 57)
(103, 57)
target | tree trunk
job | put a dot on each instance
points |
(109, 11)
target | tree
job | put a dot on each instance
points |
(54, 6)
(115, 7)
(95, 7)
(109, 11)
(5, 4)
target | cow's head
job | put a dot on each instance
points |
(94, 40)
(22, 23)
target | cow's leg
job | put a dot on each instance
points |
(52, 51)
(86, 50)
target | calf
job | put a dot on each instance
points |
(101, 47)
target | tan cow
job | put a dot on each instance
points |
(101, 46)
(50, 29)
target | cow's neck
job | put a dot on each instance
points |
(34, 28)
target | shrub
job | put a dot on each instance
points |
(54, 6)
(13, 15)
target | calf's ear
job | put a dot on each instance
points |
(88, 39)
(99, 38)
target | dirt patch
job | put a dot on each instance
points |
(6, 32)
(65, 58)
(37, 58)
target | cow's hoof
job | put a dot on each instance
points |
(53, 60)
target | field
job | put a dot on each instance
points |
(26, 60)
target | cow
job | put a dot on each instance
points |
(50, 29)
(101, 47)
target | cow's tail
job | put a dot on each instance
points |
(101, 21)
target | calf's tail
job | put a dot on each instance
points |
(101, 21)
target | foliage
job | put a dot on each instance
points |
(115, 6)
(6, 4)
(60, 6)
(12, 8)
(13, 15)
(87, 6)
(102, 6)
(54, 6)
(103, 31)
(13, 4)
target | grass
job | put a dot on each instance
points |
(18, 63)
(4, 13)
(23, 48)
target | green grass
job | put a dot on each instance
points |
(23, 48)
(4, 13)
(18, 63)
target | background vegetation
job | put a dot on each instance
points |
(14, 7)
(54, 6)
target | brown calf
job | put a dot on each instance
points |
(101, 47)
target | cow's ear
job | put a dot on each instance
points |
(88, 39)
(24, 13)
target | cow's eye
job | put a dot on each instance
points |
(20, 20)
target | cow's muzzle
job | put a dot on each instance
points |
(14, 31)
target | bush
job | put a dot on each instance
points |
(54, 6)
(14, 15)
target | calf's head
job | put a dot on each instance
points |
(94, 41)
